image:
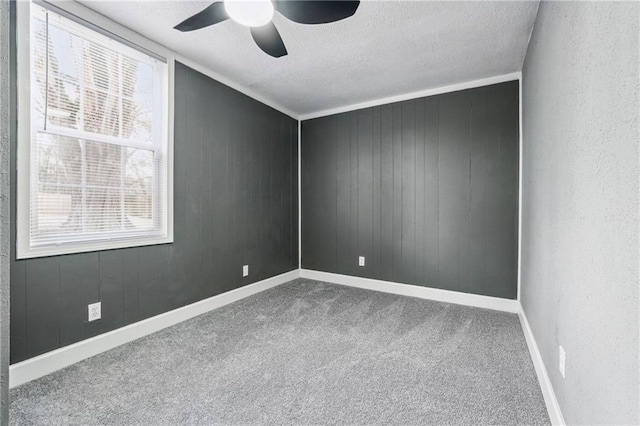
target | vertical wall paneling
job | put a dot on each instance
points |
(343, 207)
(479, 187)
(426, 189)
(364, 187)
(376, 253)
(430, 258)
(80, 283)
(406, 270)
(509, 165)
(329, 208)
(419, 197)
(453, 190)
(235, 203)
(396, 144)
(386, 192)
(42, 305)
(130, 290)
(354, 240)
(111, 289)
(18, 313)
(493, 193)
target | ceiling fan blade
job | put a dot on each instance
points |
(316, 11)
(213, 14)
(268, 39)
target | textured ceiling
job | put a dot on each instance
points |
(387, 48)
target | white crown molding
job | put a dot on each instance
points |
(49, 362)
(467, 299)
(550, 400)
(414, 95)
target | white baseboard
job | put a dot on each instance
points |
(549, 395)
(49, 362)
(487, 302)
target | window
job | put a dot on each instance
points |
(96, 145)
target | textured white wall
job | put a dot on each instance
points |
(4, 211)
(580, 210)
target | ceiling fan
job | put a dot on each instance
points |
(257, 15)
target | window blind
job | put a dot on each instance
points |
(98, 137)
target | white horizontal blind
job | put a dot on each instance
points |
(98, 144)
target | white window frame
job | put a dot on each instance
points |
(24, 248)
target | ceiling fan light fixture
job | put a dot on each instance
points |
(250, 13)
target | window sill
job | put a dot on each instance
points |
(74, 248)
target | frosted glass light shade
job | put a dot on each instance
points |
(250, 13)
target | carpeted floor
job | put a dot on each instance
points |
(304, 353)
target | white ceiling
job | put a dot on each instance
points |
(387, 48)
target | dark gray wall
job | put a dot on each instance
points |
(235, 203)
(426, 190)
(580, 215)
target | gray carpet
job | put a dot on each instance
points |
(304, 353)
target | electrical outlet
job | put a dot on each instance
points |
(562, 358)
(95, 311)
(361, 261)
(245, 271)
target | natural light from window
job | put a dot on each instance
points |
(98, 139)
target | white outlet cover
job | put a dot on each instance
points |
(245, 270)
(361, 261)
(95, 311)
(562, 359)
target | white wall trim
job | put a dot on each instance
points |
(299, 194)
(414, 95)
(520, 145)
(49, 362)
(486, 302)
(550, 400)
